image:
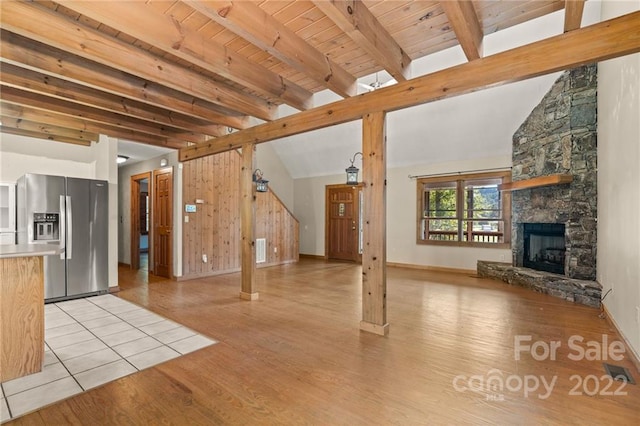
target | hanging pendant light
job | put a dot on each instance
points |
(352, 171)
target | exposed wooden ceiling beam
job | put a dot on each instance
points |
(353, 17)
(573, 10)
(38, 135)
(166, 32)
(54, 62)
(250, 22)
(20, 97)
(464, 21)
(48, 129)
(55, 118)
(605, 40)
(32, 81)
(49, 27)
(42, 116)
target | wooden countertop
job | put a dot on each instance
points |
(27, 250)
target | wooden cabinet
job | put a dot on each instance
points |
(7, 208)
(21, 316)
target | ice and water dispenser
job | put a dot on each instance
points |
(46, 226)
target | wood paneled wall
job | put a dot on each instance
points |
(214, 229)
(281, 229)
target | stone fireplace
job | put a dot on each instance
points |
(560, 137)
(554, 226)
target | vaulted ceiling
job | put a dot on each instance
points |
(179, 73)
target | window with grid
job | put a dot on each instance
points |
(464, 210)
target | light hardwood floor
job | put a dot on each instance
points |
(296, 356)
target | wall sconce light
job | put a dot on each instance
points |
(121, 159)
(163, 162)
(261, 184)
(352, 171)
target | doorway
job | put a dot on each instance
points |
(162, 208)
(343, 236)
(144, 204)
(140, 220)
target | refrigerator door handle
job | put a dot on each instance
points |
(63, 221)
(70, 229)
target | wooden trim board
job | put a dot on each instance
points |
(432, 268)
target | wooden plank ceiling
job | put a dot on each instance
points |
(179, 73)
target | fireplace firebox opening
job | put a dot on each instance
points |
(544, 247)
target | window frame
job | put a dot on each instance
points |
(458, 180)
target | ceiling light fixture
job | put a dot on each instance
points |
(121, 159)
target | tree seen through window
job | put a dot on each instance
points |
(467, 209)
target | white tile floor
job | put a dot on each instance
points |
(92, 341)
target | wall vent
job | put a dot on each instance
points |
(261, 250)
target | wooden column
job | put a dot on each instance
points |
(374, 256)
(248, 223)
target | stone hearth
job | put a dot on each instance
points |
(584, 292)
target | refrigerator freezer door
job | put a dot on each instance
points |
(87, 230)
(41, 194)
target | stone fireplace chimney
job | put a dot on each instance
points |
(559, 137)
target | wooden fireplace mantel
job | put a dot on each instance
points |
(536, 182)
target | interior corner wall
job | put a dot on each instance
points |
(619, 184)
(309, 208)
(124, 208)
(105, 153)
(211, 236)
(269, 163)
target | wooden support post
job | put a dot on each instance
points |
(248, 223)
(374, 256)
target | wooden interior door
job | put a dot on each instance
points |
(162, 217)
(342, 231)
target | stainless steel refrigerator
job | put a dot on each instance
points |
(71, 213)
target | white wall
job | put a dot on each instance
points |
(309, 208)
(618, 266)
(124, 216)
(280, 182)
(21, 154)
